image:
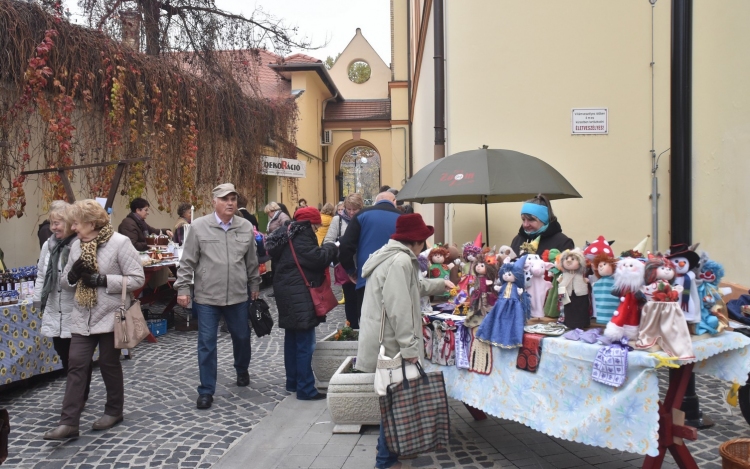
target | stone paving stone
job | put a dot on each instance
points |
(328, 461)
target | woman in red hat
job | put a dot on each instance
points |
(394, 284)
(296, 311)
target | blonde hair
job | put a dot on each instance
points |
(354, 201)
(88, 211)
(271, 207)
(327, 209)
(59, 210)
(541, 199)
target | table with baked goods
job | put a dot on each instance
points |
(24, 352)
(562, 400)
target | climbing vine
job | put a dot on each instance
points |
(71, 95)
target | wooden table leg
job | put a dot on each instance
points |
(476, 413)
(671, 423)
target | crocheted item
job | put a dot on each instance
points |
(480, 357)
(611, 364)
(530, 353)
(463, 346)
(85, 295)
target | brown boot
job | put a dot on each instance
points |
(106, 422)
(63, 432)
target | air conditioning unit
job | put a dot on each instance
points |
(327, 138)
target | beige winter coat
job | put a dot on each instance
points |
(116, 258)
(393, 282)
(56, 314)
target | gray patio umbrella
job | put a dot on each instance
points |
(485, 176)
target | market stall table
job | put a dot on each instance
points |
(24, 352)
(562, 400)
(149, 272)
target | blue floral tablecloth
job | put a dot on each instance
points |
(24, 352)
(562, 400)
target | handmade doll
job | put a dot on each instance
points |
(605, 304)
(552, 303)
(662, 322)
(505, 252)
(469, 256)
(714, 317)
(629, 278)
(685, 261)
(575, 290)
(438, 268)
(536, 286)
(483, 296)
(503, 326)
(454, 257)
(598, 247)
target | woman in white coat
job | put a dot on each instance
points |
(55, 302)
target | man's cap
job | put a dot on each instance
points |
(223, 190)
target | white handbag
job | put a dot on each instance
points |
(388, 370)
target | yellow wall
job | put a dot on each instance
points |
(721, 133)
(399, 37)
(374, 88)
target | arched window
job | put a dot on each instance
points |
(360, 172)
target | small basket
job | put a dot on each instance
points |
(158, 327)
(735, 454)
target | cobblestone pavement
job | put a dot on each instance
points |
(162, 427)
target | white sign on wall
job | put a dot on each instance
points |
(589, 121)
(283, 167)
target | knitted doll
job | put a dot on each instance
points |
(552, 303)
(575, 290)
(438, 267)
(537, 286)
(714, 317)
(605, 304)
(662, 322)
(503, 326)
(685, 261)
(483, 296)
(629, 278)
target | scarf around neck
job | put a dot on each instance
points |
(58, 255)
(85, 295)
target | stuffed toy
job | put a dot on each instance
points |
(469, 255)
(685, 261)
(629, 278)
(575, 290)
(662, 322)
(536, 286)
(454, 257)
(483, 296)
(605, 303)
(714, 318)
(503, 326)
(552, 303)
(438, 267)
(597, 248)
(505, 252)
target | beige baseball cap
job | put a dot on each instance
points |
(223, 190)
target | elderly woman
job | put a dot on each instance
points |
(55, 302)
(296, 311)
(276, 217)
(352, 205)
(100, 261)
(394, 286)
(326, 215)
(538, 220)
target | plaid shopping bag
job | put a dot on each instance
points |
(415, 414)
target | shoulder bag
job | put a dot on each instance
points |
(322, 296)
(260, 317)
(388, 369)
(130, 327)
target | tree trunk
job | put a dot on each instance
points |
(150, 11)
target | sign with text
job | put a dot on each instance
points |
(589, 121)
(285, 167)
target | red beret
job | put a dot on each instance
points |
(308, 213)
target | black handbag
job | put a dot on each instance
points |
(259, 314)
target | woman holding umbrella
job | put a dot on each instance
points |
(539, 221)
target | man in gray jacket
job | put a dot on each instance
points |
(220, 254)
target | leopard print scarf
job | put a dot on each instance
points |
(85, 295)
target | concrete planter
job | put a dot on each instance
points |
(328, 356)
(352, 401)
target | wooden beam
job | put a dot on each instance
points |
(114, 186)
(66, 185)
(83, 166)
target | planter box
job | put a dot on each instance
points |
(352, 401)
(328, 356)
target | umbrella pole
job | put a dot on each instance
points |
(486, 222)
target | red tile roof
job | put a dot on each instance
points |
(370, 109)
(301, 58)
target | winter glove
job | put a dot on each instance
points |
(74, 275)
(94, 280)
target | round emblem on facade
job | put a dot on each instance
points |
(458, 177)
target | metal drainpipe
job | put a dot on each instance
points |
(439, 44)
(408, 86)
(680, 177)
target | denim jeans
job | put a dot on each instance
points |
(384, 457)
(298, 351)
(236, 319)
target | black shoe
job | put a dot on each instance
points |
(205, 401)
(243, 379)
(317, 397)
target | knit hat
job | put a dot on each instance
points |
(308, 213)
(411, 228)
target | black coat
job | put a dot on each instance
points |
(552, 238)
(293, 300)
